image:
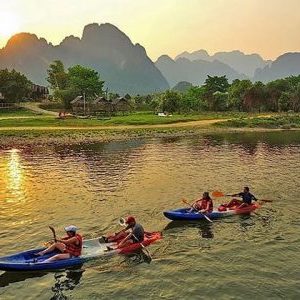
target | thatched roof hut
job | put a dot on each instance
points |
(39, 92)
(4, 103)
(79, 105)
(102, 105)
(121, 104)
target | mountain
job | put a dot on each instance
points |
(285, 65)
(182, 86)
(242, 63)
(195, 71)
(125, 67)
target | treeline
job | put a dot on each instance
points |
(218, 95)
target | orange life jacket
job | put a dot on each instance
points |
(73, 249)
(202, 204)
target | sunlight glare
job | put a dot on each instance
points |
(9, 24)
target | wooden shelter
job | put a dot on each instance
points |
(39, 92)
(79, 105)
(5, 104)
(121, 104)
(102, 106)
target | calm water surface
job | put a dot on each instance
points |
(250, 257)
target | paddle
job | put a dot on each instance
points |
(221, 194)
(198, 212)
(122, 222)
(54, 234)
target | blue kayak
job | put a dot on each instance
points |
(184, 214)
(92, 249)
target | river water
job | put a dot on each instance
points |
(91, 186)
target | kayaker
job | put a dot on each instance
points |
(69, 246)
(133, 233)
(204, 205)
(246, 196)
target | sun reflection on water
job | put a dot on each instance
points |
(15, 176)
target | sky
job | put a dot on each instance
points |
(267, 27)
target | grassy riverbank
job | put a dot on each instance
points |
(283, 121)
(139, 118)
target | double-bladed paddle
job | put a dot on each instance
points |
(221, 194)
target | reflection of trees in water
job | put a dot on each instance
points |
(108, 164)
(251, 141)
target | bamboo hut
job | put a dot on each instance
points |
(80, 106)
(39, 92)
(4, 104)
(121, 104)
(102, 106)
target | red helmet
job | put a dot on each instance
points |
(130, 219)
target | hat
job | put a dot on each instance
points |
(130, 219)
(71, 228)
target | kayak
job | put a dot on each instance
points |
(92, 249)
(184, 214)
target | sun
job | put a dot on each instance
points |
(9, 24)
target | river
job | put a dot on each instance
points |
(93, 185)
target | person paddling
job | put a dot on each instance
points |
(204, 205)
(133, 233)
(246, 196)
(69, 246)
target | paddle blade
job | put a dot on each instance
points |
(53, 231)
(185, 201)
(218, 194)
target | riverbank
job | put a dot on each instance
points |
(58, 137)
(22, 131)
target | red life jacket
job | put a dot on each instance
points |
(73, 249)
(202, 204)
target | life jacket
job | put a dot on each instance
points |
(73, 249)
(202, 204)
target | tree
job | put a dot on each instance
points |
(236, 93)
(57, 77)
(85, 81)
(255, 97)
(193, 99)
(213, 85)
(274, 90)
(170, 101)
(14, 86)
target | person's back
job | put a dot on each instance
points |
(138, 232)
(247, 196)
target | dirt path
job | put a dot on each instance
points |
(200, 123)
(34, 106)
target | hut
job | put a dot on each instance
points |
(4, 104)
(39, 92)
(101, 106)
(80, 105)
(121, 104)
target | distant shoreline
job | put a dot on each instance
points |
(40, 137)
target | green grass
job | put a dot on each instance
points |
(139, 118)
(17, 112)
(283, 121)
